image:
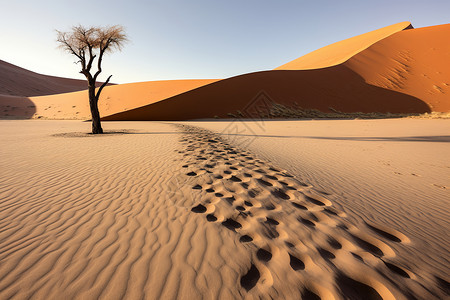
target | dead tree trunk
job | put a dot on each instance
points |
(93, 104)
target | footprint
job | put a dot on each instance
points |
(211, 218)
(270, 206)
(308, 295)
(385, 234)
(280, 194)
(299, 206)
(249, 280)
(199, 209)
(326, 254)
(368, 246)
(296, 264)
(272, 221)
(330, 212)
(397, 270)
(230, 200)
(253, 193)
(263, 255)
(289, 244)
(231, 224)
(263, 182)
(314, 201)
(313, 217)
(244, 185)
(306, 222)
(240, 208)
(245, 239)
(334, 243)
(235, 179)
(357, 256)
(353, 289)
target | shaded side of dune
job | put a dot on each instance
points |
(16, 107)
(17, 81)
(334, 88)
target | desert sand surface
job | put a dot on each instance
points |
(184, 210)
(341, 51)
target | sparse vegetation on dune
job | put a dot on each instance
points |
(280, 111)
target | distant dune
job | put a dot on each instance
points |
(389, 70)
(17, 81)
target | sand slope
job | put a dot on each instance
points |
(339, 88)
(17, 81)
(341, 51)
(177, 212)
(114, 99)
(415, 62)
(406, 72)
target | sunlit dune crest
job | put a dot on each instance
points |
(341, 51)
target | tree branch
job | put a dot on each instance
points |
(83, 60)
(99, 62)
(101, 88)
(91, 58)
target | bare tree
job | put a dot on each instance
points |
(87, 44)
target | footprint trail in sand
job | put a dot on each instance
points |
(301, 246)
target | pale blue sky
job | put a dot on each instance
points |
(175, 39)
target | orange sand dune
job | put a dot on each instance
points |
(337, 87)
(341, 51)
(401, 71)
(408, 72)
(414, 62)
(114, 99)
(17, 81)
